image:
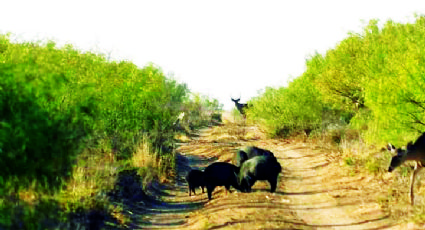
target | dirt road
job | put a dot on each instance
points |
(314, 190)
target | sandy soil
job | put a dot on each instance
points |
(314, 191)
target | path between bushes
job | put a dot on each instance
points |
(314, 190)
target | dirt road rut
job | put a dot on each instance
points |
(313, 192)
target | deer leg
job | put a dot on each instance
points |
(412, 182)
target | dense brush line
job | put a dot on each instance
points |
(58, 103)
(371, 82)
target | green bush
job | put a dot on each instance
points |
(377, 75)
(56, 103)
(38, 139)
(199, 111)
(55, 100)
(287, 110)
(373, 81)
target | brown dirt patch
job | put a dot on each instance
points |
(314, 191)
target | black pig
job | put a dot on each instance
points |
(253, 151)
(259, 168)
(221, 174)
(250, 152)
(195, 178)
(241, 157)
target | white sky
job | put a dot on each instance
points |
(219, 48)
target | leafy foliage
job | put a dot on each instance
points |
(373, 80)
(287, 110)
(56, 103)
(200, 110)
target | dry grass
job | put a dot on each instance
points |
(322, 184)
(231, 132)
(235, 128)
(144, 156)
(97, 172)
(392, 189)
(149, 163)
(93, 172)
(317, 188)
(183, 138)
(356, 158)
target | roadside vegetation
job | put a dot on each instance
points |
(366, 92)
(72, 122)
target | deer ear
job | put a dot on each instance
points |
(391, 147)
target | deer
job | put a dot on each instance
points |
(413, 152)
(241, 107)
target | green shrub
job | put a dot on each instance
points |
(38, 139)
(199, 111)
(377, 77)
(373, 81)
(52, 99)
(56, 103)
(287, 110)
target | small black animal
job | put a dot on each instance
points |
(221, 174)
(195, 179)
(250, 152)
(240, 106)
(259, 168)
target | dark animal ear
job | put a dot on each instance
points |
(409, 145)
(243, 154)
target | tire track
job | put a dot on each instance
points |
(325, 199)
(314, 191)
